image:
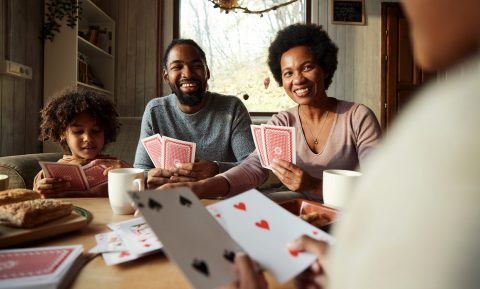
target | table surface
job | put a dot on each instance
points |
(153, 271)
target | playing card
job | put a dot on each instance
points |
(94, 175)
(190, 235)
(115, 258)
(258, 140)
(153, 146)
(71, 173)
(279, 143)
(176, 151)
(263, 229)
(108, 242)
(28, 267)
(137, 236)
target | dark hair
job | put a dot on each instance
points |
(179, 41)
(60, 111)
(310, 35)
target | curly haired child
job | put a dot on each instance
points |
(82, 122)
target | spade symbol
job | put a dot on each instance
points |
(135, 196)
(185, 202)
(154, 205)
(201, 266)
(140, 205)
(229, 255)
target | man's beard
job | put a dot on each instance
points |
(189, 99)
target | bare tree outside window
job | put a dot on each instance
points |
(236, 45)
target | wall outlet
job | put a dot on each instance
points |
(15, 69)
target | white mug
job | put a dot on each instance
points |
(120, 181)
(3, 182)
(338, 186)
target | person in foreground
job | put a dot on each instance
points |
(82, 122)
(218, 124)
(330, 133)
(415, 220)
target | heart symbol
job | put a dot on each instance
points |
(124, 254)
(154, 205)
(294, 253)
(218, 215)
(262, 224)
(229, 255)
(315, 232)
(185, 202)
(240, 206)
(201, 266)
(146, 245)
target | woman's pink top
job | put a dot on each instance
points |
(355, 131)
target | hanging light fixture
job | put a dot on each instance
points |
(232, 5)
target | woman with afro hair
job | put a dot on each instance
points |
(82, 122)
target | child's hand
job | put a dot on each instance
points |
(110, 164)
(51, 187)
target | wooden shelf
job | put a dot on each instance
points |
(84, 46)
(94, 87)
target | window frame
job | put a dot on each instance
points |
(176, 34)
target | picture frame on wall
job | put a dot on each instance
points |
(348, 12)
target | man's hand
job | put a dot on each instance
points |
(158, 177)
(199, 170)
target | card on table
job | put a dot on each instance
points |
(137, 236)
(190, 235)
(153, 146)
(176, 151)
(71, 173)
(27, 268)
(257, 139)
(264, 229)
(279, 143)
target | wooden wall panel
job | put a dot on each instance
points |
(20, 99)
(137, 36)
(358, 76)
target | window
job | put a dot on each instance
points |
(236, 46)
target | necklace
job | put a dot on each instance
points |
(323, 121)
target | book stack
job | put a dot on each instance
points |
(45, 267)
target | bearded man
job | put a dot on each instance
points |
(218, 124)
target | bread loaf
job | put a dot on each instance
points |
(17, 195)
(28, 214)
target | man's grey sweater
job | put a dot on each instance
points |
(221, 129)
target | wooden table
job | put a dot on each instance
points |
(153, 271)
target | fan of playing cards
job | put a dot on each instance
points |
(80, 178)
(165, 152)
(203, 241)
(274, 142)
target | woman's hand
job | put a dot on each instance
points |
(51, 187)
(210, 188)
(296, 179)
(314, 277)
(110, 164)
(249, 277)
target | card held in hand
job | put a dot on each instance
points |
(153, 146)
(279, 143)
(264, 229)
(259, 145)
(72, 173)
(176, 151)
(190, 235)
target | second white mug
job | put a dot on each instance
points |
(120, 181)
(338, 186)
